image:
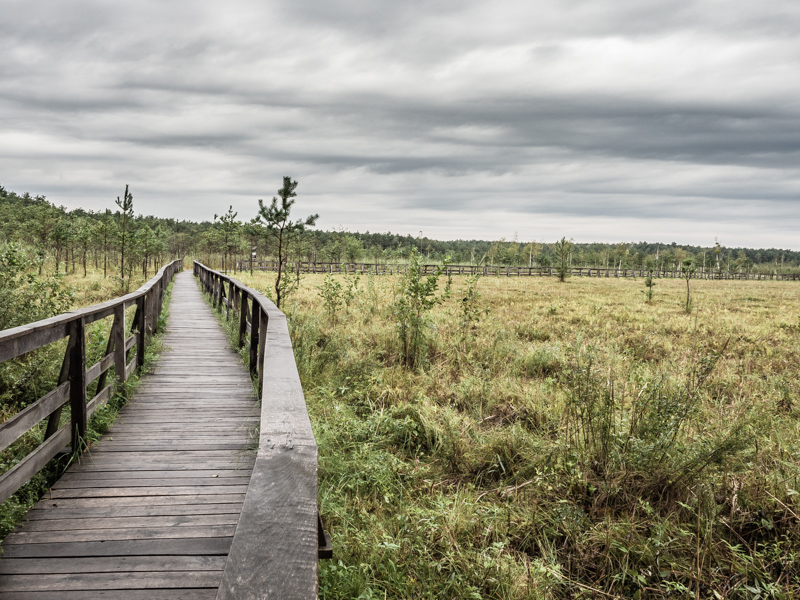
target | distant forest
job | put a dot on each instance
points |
(61, 240)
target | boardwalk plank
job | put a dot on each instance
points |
(216, 546)
(113, 564)
(169, 594)
(136, 511)
(95, 473)
(117, 534)
(93, 503)
(129, 482)
(149, 512)
(120, 581)
(118, 521)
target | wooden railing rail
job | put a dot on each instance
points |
(75, 376)
(503, 271)
(278, 539)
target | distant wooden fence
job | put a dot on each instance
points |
(75, 376)
(279, 537)
(393, 269)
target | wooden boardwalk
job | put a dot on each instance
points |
(150, 511)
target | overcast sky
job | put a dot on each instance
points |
(601, 120)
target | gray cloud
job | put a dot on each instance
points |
(612, 120)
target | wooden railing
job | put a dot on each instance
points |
(75, 376)
(393, 269)
(279, 537)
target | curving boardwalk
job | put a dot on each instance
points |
(151, 510)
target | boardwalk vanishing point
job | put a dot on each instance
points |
(163, 506)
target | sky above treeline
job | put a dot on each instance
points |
(599, 120)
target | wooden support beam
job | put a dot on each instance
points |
(77, 380)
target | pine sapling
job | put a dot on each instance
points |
(687, 271)
(649, 284)
(470, 310)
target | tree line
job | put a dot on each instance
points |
(64, 241)
(120, 242)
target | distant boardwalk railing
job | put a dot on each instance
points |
(279, 538)
(393, 269)
(75, 376)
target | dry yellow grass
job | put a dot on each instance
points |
(505, 465)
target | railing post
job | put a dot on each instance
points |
(54, 420)
(231, 303)
(141, 325)
(118, 333)
(160, 299)
(262, 344)
(242, 317)
(77, 382)
(150, 306)
(255, 317)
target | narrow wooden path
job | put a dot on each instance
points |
(150, 511)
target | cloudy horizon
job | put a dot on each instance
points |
(598, 121)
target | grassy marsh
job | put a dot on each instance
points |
(579, 442)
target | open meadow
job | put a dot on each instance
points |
(554, 440)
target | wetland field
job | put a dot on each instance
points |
(554, 440)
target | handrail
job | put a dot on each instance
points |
(507, 271)
(75, 376)
(277, 541)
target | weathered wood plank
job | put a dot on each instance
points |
(264, 562)
(140, 492)
(98, 368)
(171, 594)
(13, 428)
(118, 522)
(26, 338)
(131, 341)
(208, 480)
(67, 511)
(99, 400)
(102, 466)
(15, 477)
(102, 474)
(159, 447)
(117, 534)
(112, 564)
(92, 503)
(120, 581)
(131, 367)
(218, 546)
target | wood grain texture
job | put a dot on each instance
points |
(150, 511)
(264, 561)
(20, 423)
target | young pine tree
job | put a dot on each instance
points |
(563, 250)
(126, 214)
(283, 232)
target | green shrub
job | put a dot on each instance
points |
(26, 297)
(539, 362)
(416, 296)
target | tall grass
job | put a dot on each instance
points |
(579, 442)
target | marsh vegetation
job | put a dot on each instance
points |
(28, 296)
(553, 440)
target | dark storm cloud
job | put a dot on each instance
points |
(481, 119)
